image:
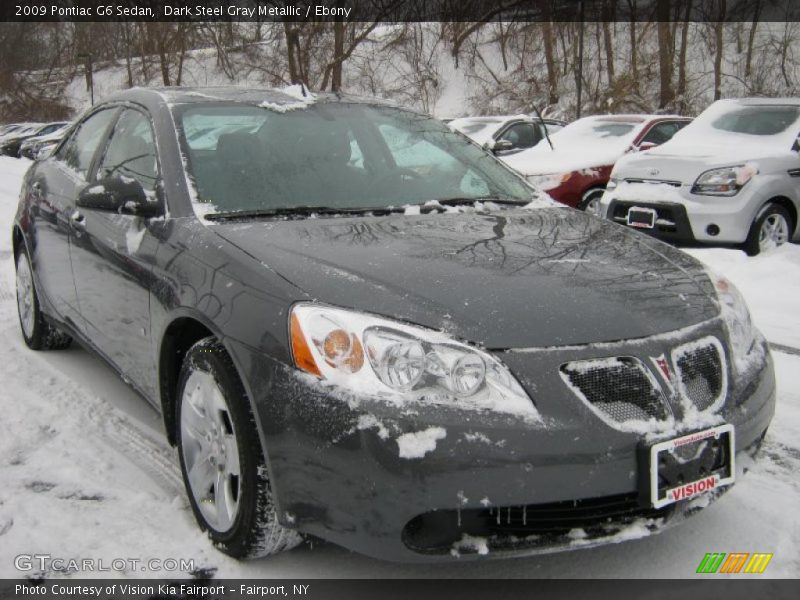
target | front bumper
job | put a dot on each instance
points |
(684, 217)
(516, 486)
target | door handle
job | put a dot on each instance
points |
(78, 221)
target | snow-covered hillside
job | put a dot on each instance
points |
(87, 473)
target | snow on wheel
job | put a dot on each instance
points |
(223, 466)
(37, 332)
(591, 201)
(770, 229)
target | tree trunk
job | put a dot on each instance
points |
(634, 53)
(718, 39)
(682, 55)
(126, 34)
(552, 76)
(579, 70)
(291, 34)
(666, 93)
(748, 63)
(338, 55)
(609, 44)
(182, 52)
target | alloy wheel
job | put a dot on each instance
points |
(25, 296)
(210, 451)
(774, 232)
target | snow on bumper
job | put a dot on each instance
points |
(729, 216)
(423, 483)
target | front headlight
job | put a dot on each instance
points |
(612, 184)
(737, 320)
(726, 181)
(399, 363)
(550, 181)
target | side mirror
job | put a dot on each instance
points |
(498, 146)
(646, 146)
(45, 150)
(119, 194)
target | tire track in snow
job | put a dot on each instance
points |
(155, 458)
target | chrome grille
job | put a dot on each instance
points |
(621, 388)
(701, 372)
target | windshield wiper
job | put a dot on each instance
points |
(296, 211)
(471, 201)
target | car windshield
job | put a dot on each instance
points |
(473, 126)
(594, 129)
(333, 155)
(757, 120)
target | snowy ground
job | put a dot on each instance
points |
(85, 470)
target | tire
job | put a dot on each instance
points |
(37, 332)
(222, 460)
(771, 228)
(591, 198)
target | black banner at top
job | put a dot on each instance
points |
(398, 10)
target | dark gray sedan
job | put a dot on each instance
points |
(359, 325)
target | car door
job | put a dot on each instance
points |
(56, 184)
(660, 133)
(113, 255)
(520, 135)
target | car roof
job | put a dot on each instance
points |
(157, 96)
(764, 101)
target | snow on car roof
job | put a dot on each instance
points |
(764, 101)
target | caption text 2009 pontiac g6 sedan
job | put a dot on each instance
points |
(359, 325)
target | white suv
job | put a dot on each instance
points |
(731, 177)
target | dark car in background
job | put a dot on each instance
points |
(506, 135)
(359, 325)
(10, 144)
(31, 147)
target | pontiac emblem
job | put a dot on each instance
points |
(662, 366)
(653, 172)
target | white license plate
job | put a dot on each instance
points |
(643, 218)
(693, 465)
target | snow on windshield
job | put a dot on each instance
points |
(584, 144)
(598, 130)
(729, 122)
(478, 129)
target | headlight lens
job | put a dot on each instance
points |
(550, 181)
(737, 319)
(726, 181)
(385, 359)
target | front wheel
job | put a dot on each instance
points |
(590, 202)
(770, 229)
(37, 332)
(221, 458)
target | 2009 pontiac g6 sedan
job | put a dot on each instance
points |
(358, 325)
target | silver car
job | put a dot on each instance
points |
(731, 177)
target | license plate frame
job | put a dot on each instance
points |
(726, 475)
(648, 222)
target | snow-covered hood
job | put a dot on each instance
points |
(542, 160)
(684, 162)
(504, 279)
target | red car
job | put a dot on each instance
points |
(576, 170)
